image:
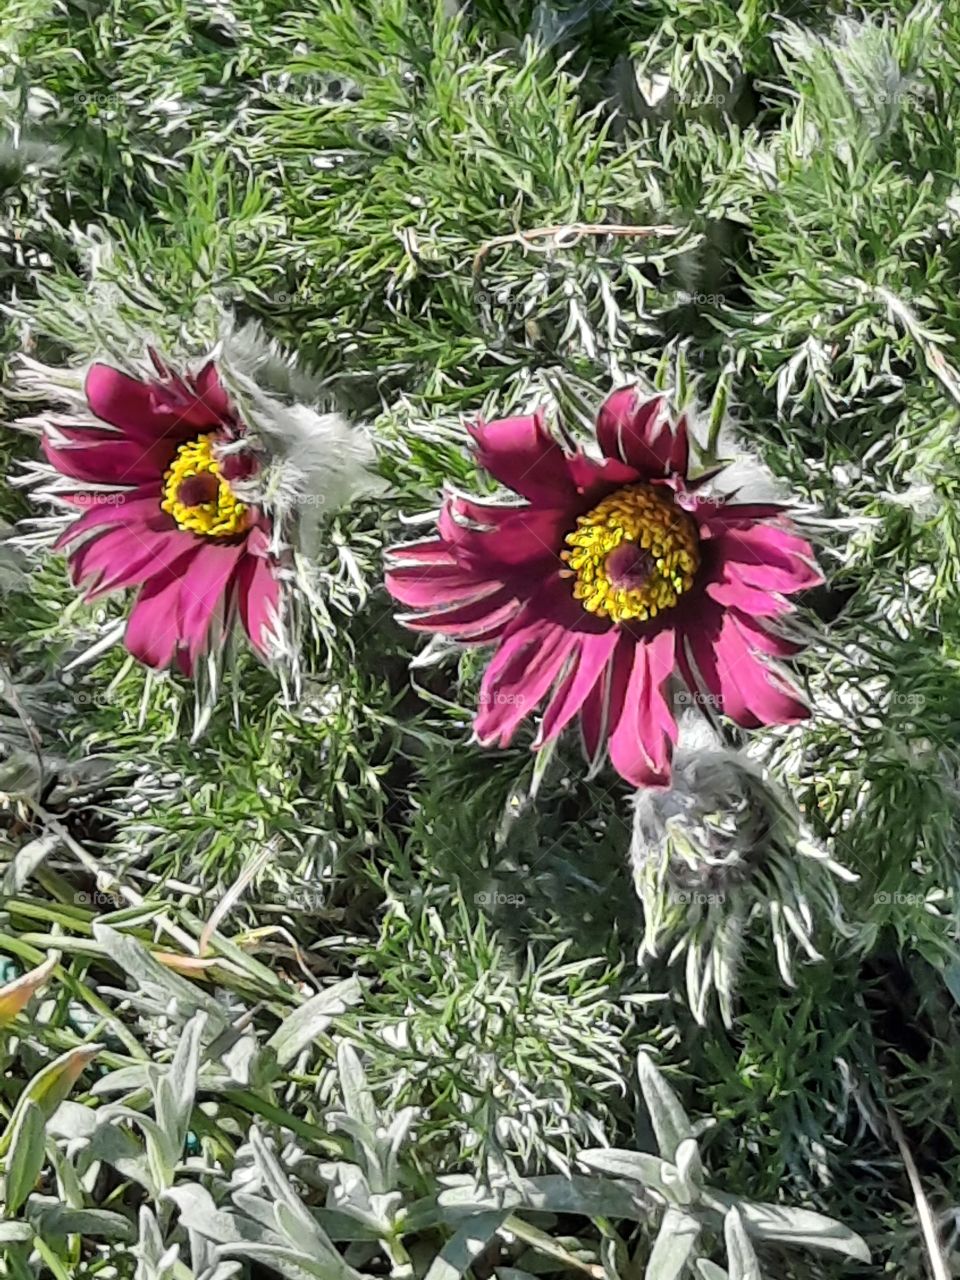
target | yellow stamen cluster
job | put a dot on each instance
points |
(668, 548)
(220, 517)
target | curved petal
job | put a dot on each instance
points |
(435, 583)
(771, 642)
(699, 663)
(715, 516)
(528, 661)
(743, 686)
(592, 736)
(489, 537)
(588, 664)
(257, 594)
(532, 656)
(469, 621)
(770, 557)
(428, 551)
(636, 430)
(212, 393)
(203, 591)
(733, 592)
(453, 600)
(187, 406)
(106, 457)
(133, 507)
(133, 407)
(422, 590)
(641, 744)
(124, 557)
(593, 478)
(521, 454)
(153, 630)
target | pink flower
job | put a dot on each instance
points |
(613, 577)
(176, 528)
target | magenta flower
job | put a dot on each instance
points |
(176, 528)
(614, 577)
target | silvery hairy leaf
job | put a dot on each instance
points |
(669, 1120)
(673, 1246)
(300, 1028)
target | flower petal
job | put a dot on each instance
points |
(594, 478)
(105, 457)
(769, 557)
(463, 603)
(758, 637)
(532, 655)
(133, 407)
(124, 557)
(153, 626)
(429, 551)
(135, 506)
(470, 621)
(426, 586)
(641, 744)
(636, 430)
(203, 591)
(212, 393)
(744, 687)
(258, 599)
(487, 536)
(588, 664)
(528, 661)
(521, 454)
(732, 592)
(716, 516)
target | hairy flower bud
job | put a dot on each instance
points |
(721, 848)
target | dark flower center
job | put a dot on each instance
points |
(198, 496)
(197, 489)
(629, 566)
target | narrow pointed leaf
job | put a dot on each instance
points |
(15, 995)
(26, 1157)
(673, 1246)
(302, 1027)
(636, 1166)
(742, 1261)
(667, 1116)
(469, 1240)
(49, 1087)
(799, 1227)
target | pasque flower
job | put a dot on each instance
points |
(205, 488)
(157, 476)
(610, 578)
